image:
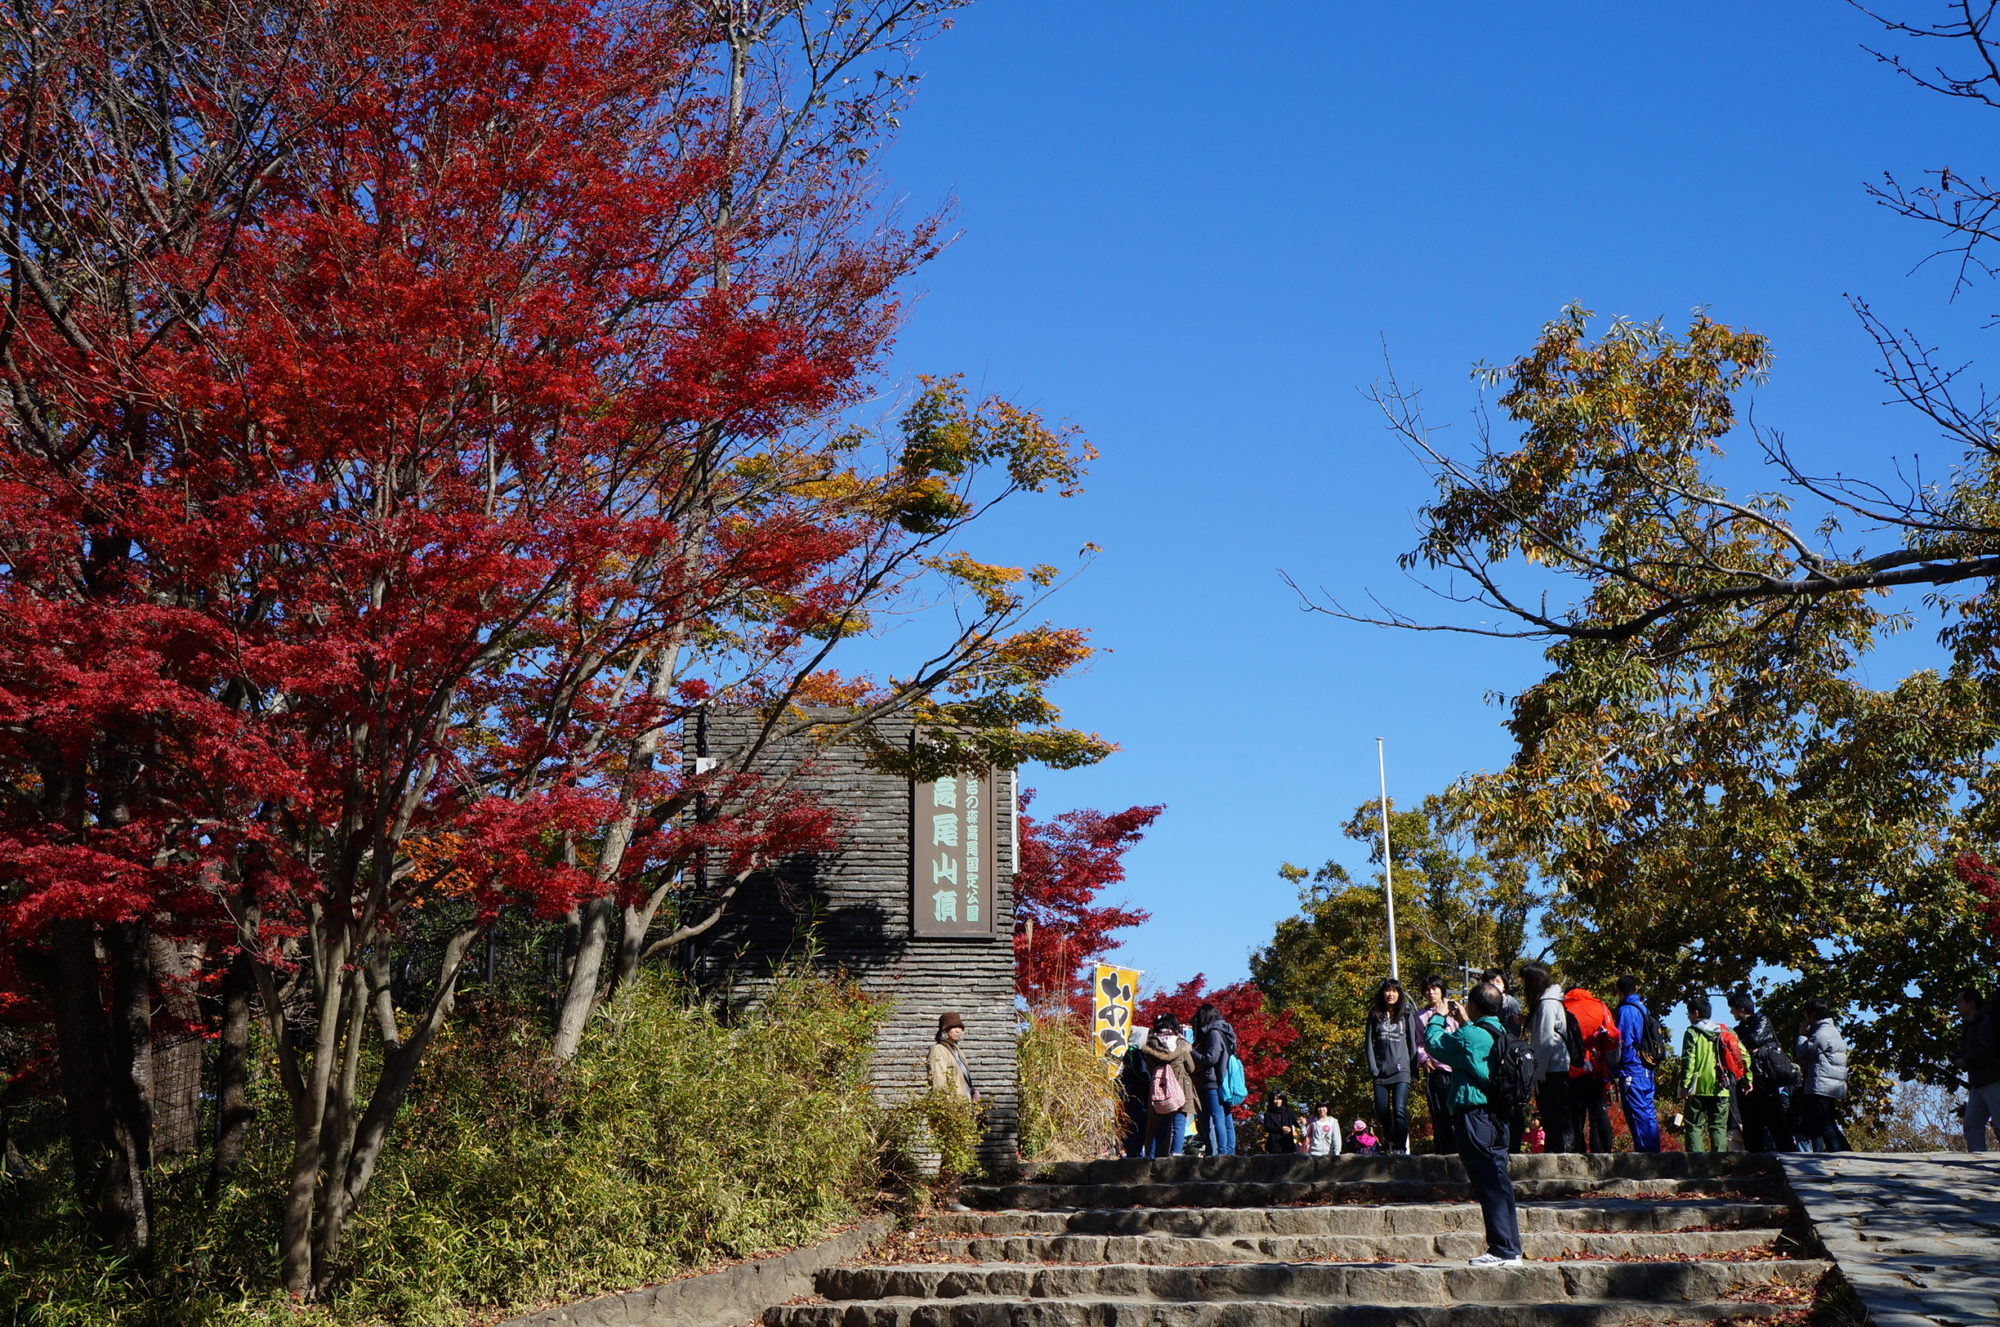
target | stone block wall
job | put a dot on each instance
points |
(850, 910)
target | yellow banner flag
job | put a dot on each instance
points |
(1114, 993)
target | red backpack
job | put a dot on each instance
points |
(1732, 1056)
(1597, 1029)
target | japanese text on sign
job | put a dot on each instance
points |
(1114, 993)
(953, 840)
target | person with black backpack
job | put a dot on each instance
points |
(1490, 1081)
(1642, 1045)
(1214, 1043)
(1135, 1080)
(1765, 1110)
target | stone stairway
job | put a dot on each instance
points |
(1306, 1241)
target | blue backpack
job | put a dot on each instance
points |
(1235, 1091)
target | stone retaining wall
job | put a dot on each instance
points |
(731, 1297)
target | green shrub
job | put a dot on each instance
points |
(1069, 1097)
(929, 1143)
(673, 1140)
(215, 1257)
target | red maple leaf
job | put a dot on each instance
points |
(1060, 927)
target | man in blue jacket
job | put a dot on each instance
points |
(1635, 1077)
(1482, 1134)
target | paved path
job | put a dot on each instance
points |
(1917, 1234)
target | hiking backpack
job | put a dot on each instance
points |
(1653, 1041)
(1511, 1076)
(1730, 1052)
(1774, 1067)
(1598, 1029)
(1168, 1099)
(1728, 1058)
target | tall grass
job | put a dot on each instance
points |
(1069, 1096)
(675, 1139)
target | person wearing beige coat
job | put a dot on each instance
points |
(948, 1070)
(1166, 1048)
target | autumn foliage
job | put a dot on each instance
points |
(1061, 927)
(414, 413)
(1975, 871)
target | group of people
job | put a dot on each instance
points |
(1732, 1077)
(1316, 1132)
(1496, 1059)
(1499, 1070)
(1170, 1074)
(1783, 1095)
(1740, 1080)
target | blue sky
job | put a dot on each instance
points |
(1192, 229)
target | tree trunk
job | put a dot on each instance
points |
(360, 1147)
(310, 1087)
(579, 995)
(295, 1241)
(105, 1072)
(177, 1050)
(337, 1136)
(631, 939)
(127, 946)
(233, 1111)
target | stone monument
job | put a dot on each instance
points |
(916, 906)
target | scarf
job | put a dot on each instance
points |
(965, 1073)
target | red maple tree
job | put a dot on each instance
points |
(1261, 1036)
(1974, 870)
(1060, 928)
(414, 412)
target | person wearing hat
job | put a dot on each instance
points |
(948, 1071)
(1168, 1053)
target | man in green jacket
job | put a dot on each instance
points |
(1482, 1134)
(1705, 1080)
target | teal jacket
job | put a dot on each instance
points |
(1468, 1051)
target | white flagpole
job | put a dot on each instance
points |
(1388, 879)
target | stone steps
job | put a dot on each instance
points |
(1291, 1167)
(1281, 1193)
(1612, 1214)
(1457, 1245)
(1337, 1242)
(1111, 1312)
(1318, 1283)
